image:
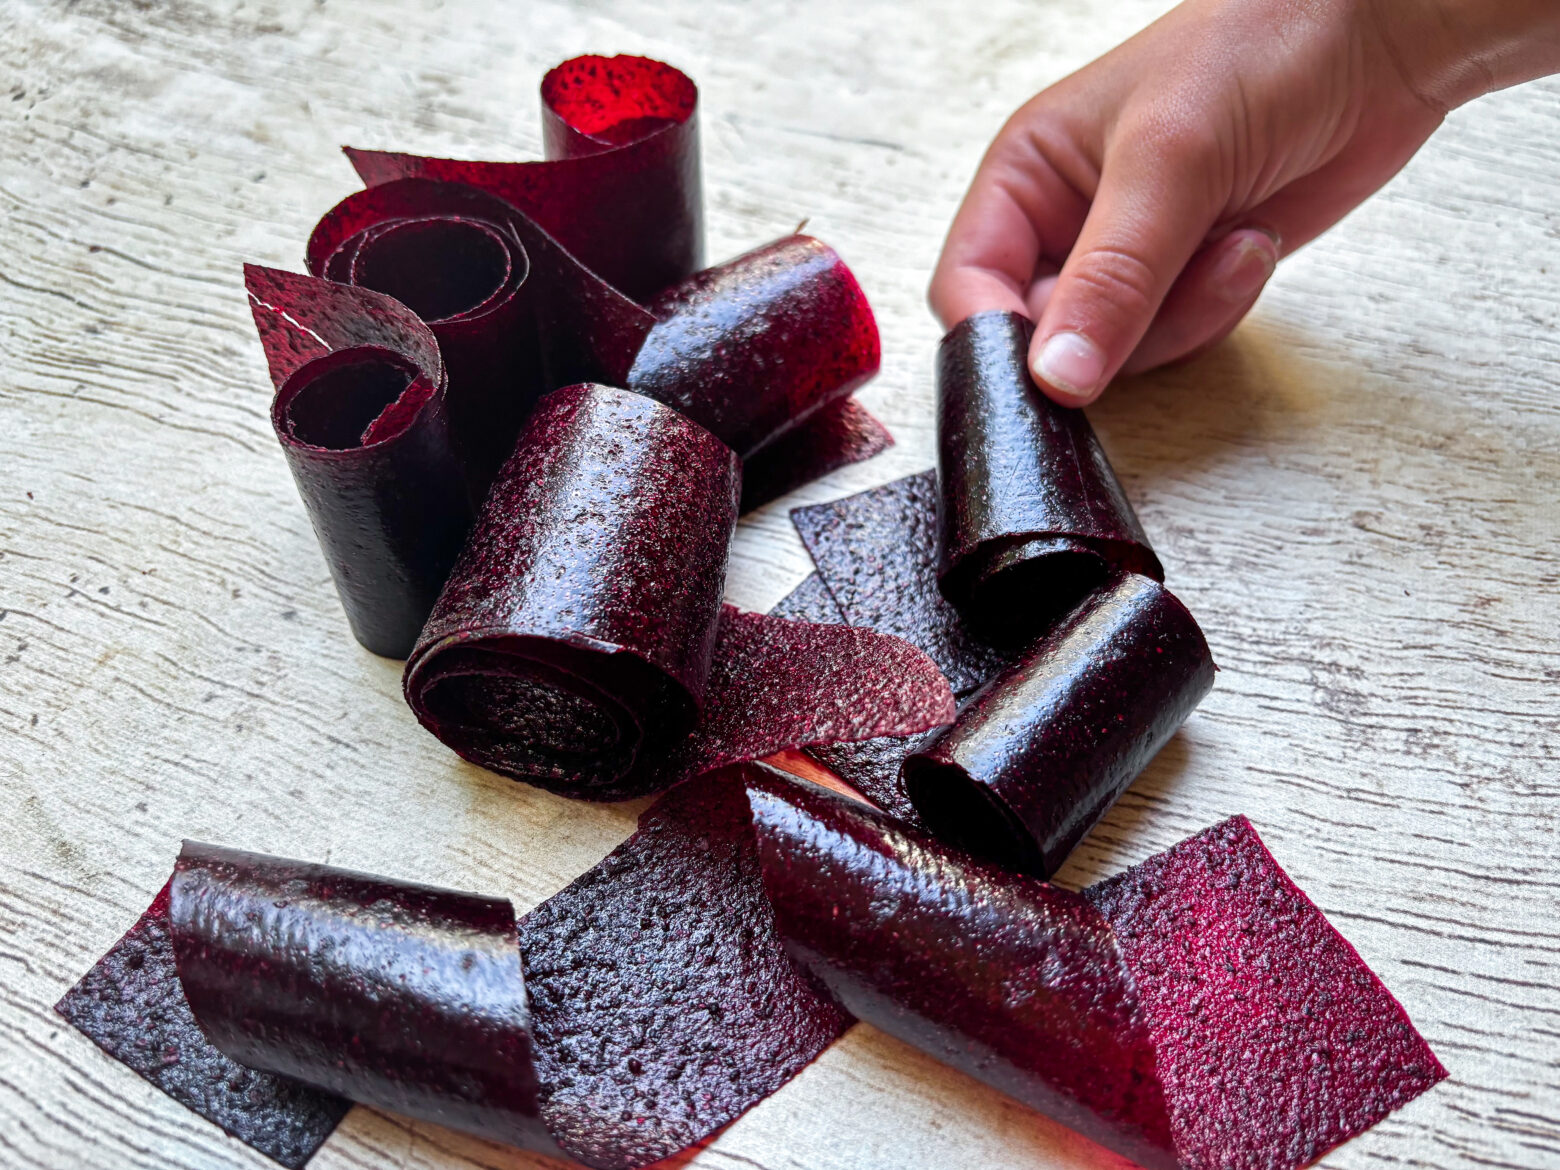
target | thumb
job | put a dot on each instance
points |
(1155, 203)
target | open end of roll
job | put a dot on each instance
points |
(440, 268)
(618, 100)
(965, 813)
(1024, 590)
(529, 719)
(351, 398)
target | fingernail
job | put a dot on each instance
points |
(1244, 269)
(1071, 363)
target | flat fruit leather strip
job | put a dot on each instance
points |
(779, 685)
(876, 553)
(619, 187)
(1039, 753)
(1274, 1040)
(361, 414)
(1030, 512)
(130, 1004)
(834, 437)
(870, 766)
(656, 1003)
(1196, 1011)
(572, 642)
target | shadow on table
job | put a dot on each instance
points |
(1265, 384)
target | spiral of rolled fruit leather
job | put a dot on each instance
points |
(581, 645)
(362, 416)
(573, 641)
(457, 258)
(1030, 513)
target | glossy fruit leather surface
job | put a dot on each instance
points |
(1028, 504)
(362, 417)
(1039, 753)
(1196, 1010)
(619, 186)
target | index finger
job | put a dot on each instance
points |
(1020, 210)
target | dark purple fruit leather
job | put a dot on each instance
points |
(876, 553)
(581, 646)
(619, 187)
(531, 276)
(398, 995)
(1275, 1039)
(656, 1003)
(1039, 753)
(573, 641)
(1196, 1011)
(457, 258)
(362, 416)
(1016, 982)
(749, 349)
(1030, 512)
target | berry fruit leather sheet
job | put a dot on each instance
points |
(1196, 1011)
(581, 645)
(583, 267)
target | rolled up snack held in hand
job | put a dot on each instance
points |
(1030, 513)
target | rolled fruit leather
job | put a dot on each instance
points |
(1196, 1011)
(1038, 754)
(767, 345)
(572, 643)
(362, 417)
(1030, 513)
(622, 1020)
(457, 258)
(618, 185)
(581, 645)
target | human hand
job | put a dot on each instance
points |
(1136, 209)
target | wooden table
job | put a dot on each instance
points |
(1359, 496)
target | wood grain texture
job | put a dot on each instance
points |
(1357, 495)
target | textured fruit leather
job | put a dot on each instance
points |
(1030, 512)
(580, 644)
(1195, 1011)
(583, 267)
(1051, 729)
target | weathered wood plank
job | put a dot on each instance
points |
(1357, 496)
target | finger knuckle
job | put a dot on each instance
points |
(1120, 278)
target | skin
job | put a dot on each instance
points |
(1136, 209)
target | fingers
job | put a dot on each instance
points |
(1217, 288)
(1156, 201)
(1022, 206)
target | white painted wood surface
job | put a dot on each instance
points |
(1359, 496)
